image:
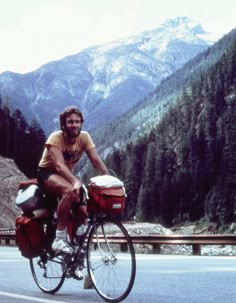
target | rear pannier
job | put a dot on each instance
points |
(30, 237)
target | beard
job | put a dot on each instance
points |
(72, 133)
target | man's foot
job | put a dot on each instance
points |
(61, 245)
(78, 274)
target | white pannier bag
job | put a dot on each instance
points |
(29, 198)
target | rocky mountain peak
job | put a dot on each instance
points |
(179, 21)
(105, 81)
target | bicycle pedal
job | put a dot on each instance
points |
(63, 255)
(78, 274)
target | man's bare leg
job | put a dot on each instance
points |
(60, 187)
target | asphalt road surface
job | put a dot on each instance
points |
(159, 279)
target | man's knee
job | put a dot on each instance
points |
(70, 196)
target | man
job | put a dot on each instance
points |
(63, 150)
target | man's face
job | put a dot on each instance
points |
(72, 126)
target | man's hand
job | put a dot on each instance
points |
(76, 186)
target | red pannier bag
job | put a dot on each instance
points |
(30, 236)
(106, 194)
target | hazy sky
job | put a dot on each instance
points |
(34, 32)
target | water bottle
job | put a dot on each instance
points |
(81, 230)
(80, 264)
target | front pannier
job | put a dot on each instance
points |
(106, 194)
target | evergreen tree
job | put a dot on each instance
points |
(133, 175)
(19, 138)
(146, 198)
(34, 151)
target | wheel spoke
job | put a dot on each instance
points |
(48, 272)
(112, 271)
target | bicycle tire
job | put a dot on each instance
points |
(48, 272)
(111, 269)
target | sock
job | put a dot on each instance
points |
(61, 234)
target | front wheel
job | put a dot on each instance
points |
(111, 260)
(48, 272)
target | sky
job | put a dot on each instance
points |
(35, 32)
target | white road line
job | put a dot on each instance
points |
(18, 296)
(16, 253)
(151, 257)
(13, 260)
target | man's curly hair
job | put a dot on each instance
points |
(67, 112)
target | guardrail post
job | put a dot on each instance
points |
(123, 247)
(156, 248)
(196, 249)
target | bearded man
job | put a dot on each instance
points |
(63, 150)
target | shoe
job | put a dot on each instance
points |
(61, 245)
(78, 274)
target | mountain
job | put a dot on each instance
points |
(105, 81)
(184, 168)
(146, 115)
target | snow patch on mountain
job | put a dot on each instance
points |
(106, 80)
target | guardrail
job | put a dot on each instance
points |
(8, 236)
(195, 240)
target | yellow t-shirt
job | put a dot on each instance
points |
(71, 152)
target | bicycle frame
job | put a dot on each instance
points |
(92, 223)
(111, 271)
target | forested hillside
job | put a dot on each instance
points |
(147, 114)
(185, 169)
(19, 141)
(183, 165)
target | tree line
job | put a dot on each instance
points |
(185, 168)
(147, 113)
(19, 140)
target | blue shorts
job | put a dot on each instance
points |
(43, 174)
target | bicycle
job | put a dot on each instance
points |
(105, 250)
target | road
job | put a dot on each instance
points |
(159, 279)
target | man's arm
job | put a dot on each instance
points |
(62, 168)
(97, 162)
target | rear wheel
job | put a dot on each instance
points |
(48, 272)
(111, 265)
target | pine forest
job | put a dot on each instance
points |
(183, 168)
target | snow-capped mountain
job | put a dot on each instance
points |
(107, 80)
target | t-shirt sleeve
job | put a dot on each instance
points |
(54, 140)
(89, 144)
